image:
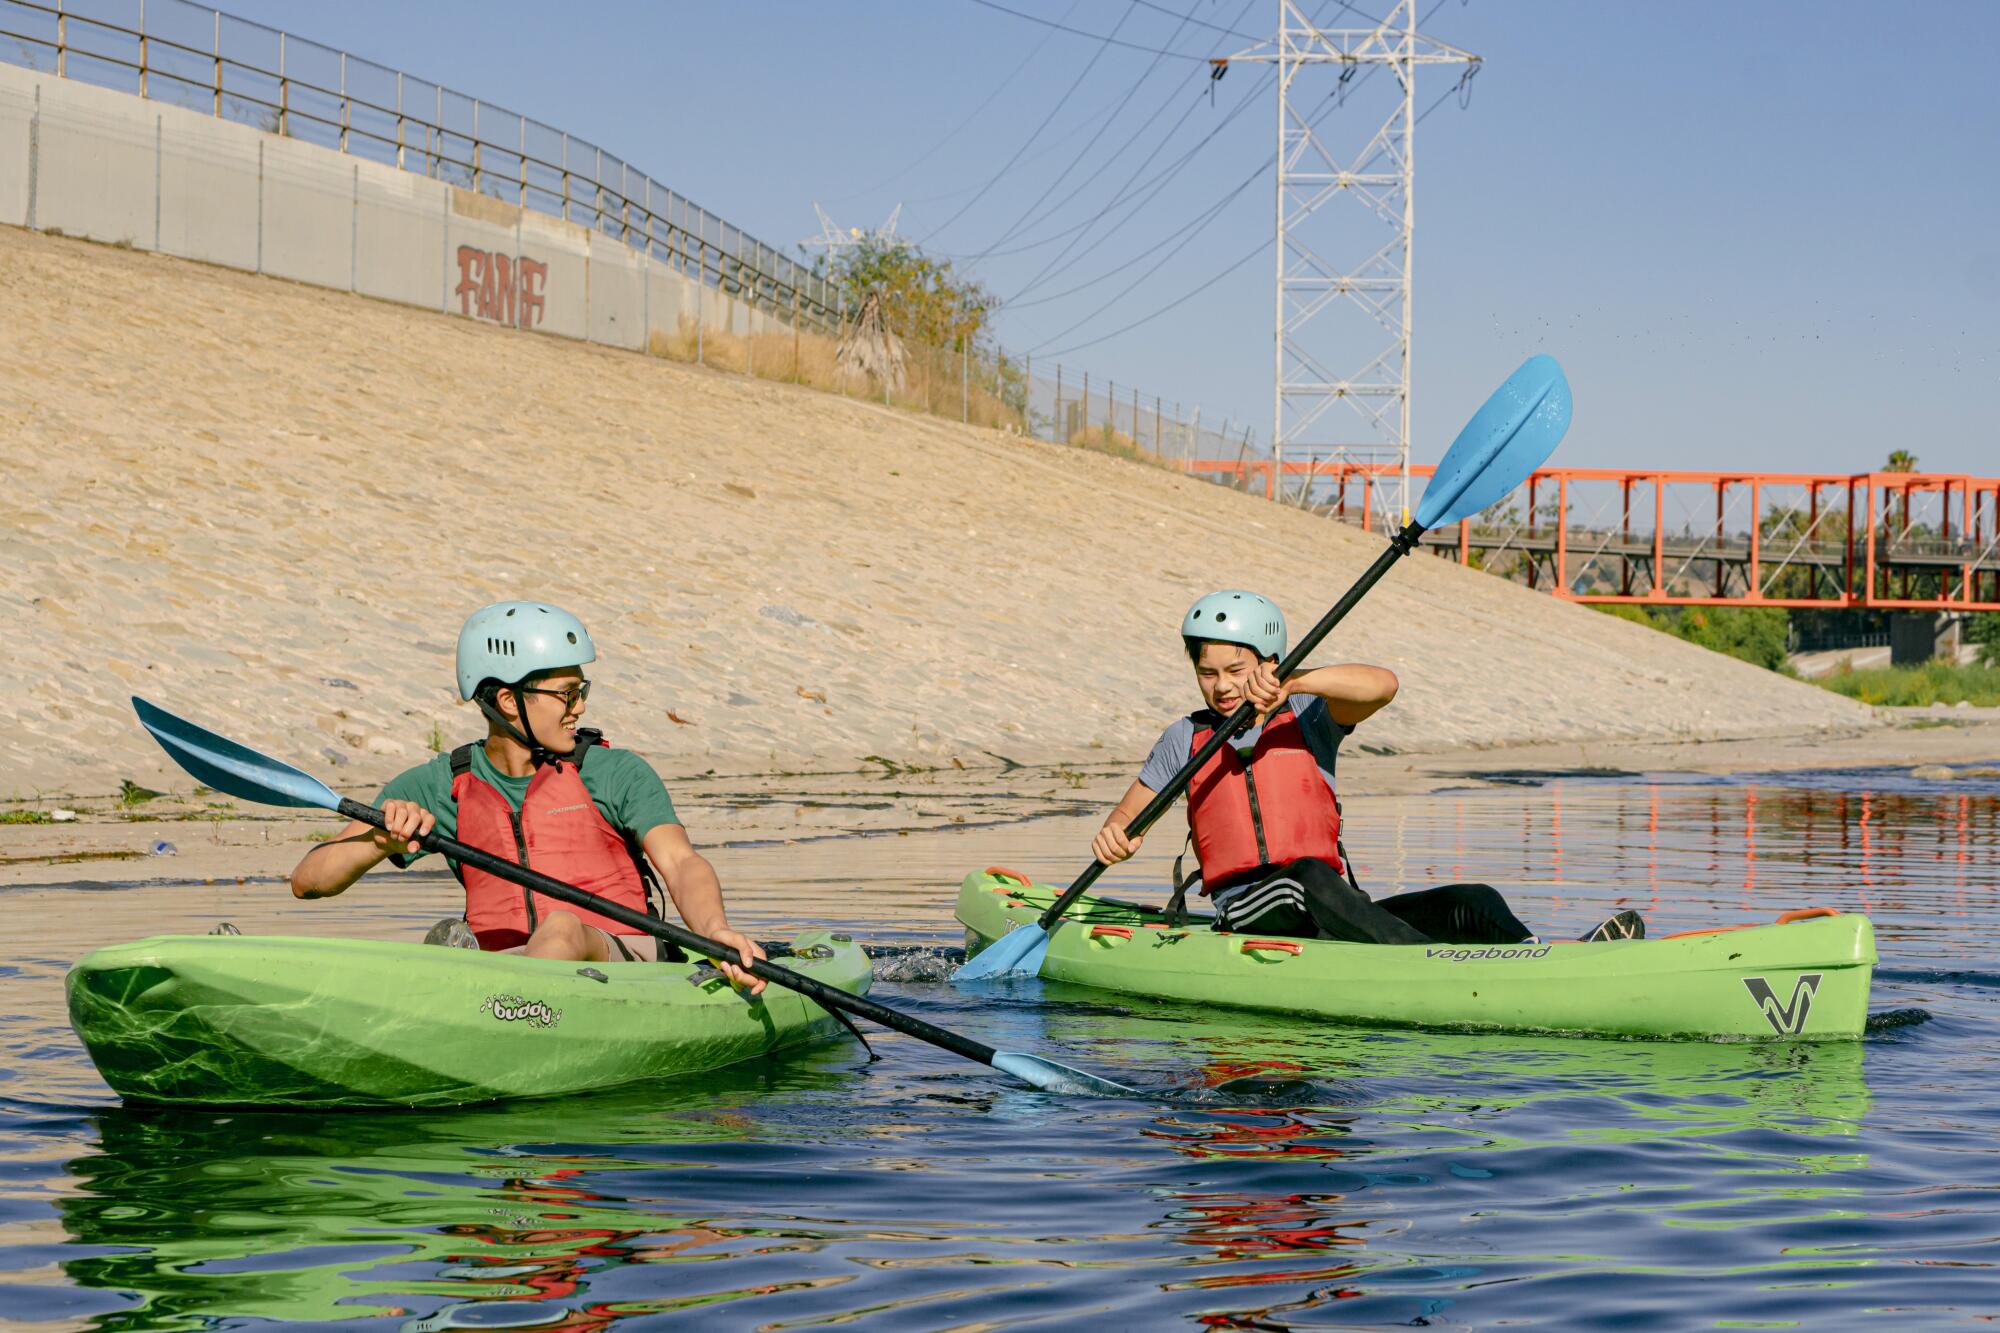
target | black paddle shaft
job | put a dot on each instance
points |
(1399, 546)
(831, 997)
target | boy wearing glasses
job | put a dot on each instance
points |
(539, 791)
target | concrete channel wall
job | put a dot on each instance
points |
(108, 166)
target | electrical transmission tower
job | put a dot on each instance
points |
(1346, 220)
(833, 240)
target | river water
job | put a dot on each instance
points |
(1397, 1178)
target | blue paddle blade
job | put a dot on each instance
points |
(1510, 436)
(235, 770)
(1020, 950)
(1052, 1077)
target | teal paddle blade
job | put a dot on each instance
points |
(235, 770)
(1052, 1077)
(1020, 950)
(1510, 436)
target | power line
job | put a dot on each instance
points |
(1119, 194)
(1199, 220)
(1146, 193)
(1189, 18)
(1146, 189)
(1109, 41)
(1190, 232)
(1210, 282)
(1150, 191)
(1182, 299)
(959, 128)
(1056, 141)
(1084, 152)
(1061, 102)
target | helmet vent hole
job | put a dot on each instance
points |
(572, 636)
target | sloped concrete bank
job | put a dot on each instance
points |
(270, 506)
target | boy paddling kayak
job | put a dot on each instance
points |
(1262, 812)
(539, 791)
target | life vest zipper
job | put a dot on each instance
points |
(528, 895)
(1256, 813)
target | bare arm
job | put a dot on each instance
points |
(697, 894)
(1111, 845)
(332, 867)
(1353, 692)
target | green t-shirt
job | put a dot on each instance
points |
(629, 794)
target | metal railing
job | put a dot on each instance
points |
(203, 59)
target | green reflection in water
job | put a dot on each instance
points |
(1384, 1116)
(303, 1216)
(515, 1209)
(1468, 1085)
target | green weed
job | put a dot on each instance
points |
(1918, 686)
(1755, 633)
(131, 793)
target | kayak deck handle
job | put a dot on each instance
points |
(1117, 932)
(1002, 872)
(1277, 946)
(1784, 919)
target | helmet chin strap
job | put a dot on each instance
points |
(538, 754)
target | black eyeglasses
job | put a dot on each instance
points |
(571, 697)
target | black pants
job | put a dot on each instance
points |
(1311, 900)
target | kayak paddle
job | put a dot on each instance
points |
(1510, 436)
(236, 769)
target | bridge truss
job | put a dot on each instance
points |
(1900, 541)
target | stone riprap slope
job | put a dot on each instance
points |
(269, 507)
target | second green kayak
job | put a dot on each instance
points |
(246, 1020)
(1806, 978)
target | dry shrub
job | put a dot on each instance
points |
(1107, 440)
(932, 377)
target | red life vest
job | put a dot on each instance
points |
(1271, 811)
(559, 831)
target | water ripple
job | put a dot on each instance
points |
(1273, 1174)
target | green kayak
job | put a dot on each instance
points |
(1804, 978)
(240, 1020)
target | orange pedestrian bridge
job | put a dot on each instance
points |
(1889, 541)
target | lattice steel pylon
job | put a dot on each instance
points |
(1337, 261)
(833, 240)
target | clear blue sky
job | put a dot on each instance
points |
(1756, 235)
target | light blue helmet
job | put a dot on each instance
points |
(1231, 616)
(510, 641)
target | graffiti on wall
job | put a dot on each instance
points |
(506, 289)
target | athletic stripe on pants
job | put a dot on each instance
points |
(1259, 901)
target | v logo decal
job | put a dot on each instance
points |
(1788, 1019)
